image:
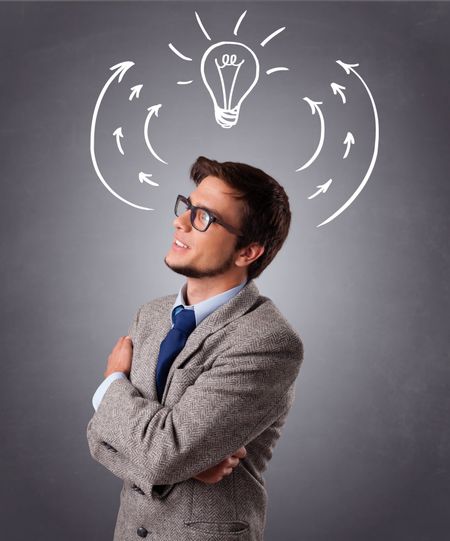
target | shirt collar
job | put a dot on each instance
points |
(204, 308)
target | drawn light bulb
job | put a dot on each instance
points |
(230, 70)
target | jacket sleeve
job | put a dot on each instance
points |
(228, 406)
(105, 453)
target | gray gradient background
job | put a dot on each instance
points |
(365, 452)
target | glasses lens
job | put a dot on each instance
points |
(201, 220)
(180, 207)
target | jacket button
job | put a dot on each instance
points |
(142, 532)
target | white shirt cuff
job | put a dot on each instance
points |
(100, 392)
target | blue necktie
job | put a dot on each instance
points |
(184, 323)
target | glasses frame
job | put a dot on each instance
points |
(212, 216)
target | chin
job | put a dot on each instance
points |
(184, 270)
(173, 265)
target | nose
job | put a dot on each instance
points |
(183, 221)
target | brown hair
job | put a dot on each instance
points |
(267, 215)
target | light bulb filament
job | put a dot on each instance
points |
(228, 61)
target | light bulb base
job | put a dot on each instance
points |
(226, 118)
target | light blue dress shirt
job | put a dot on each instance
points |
(201, 310)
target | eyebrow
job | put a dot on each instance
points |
(213, 211)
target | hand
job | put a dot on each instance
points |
(218, 472)
(120, 357)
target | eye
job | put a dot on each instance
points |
(203, 216)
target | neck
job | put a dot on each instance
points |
(200, 289)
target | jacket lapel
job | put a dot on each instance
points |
(144, 372)
(231, 310)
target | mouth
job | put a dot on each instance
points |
(178, 245)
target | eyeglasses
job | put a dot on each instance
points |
(201, 218)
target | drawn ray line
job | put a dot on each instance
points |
(177, 52)
(201, 26)
(236, 28)
(272, 35)
(273, 70)
(184, 82)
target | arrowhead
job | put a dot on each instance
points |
(349, 139)
(118, 132)
(155, 109)
(122, 68)
(135, 90)
(347, 67)
(336, 87)
(145, 177)
(313, 105)
(325, 186)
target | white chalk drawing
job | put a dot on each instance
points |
(229, 70)
(315, 107)
(202, 28)
(322, 188)
(238, 24)
(118, 135)
(119, 71)
(349, 141)
(177, 52)
(135, 91)
(153, 110)
(349, 69)
(272, 35)
(337, 89)
(145, 177)
(226, 105)
(273, 70)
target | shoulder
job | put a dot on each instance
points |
(159, 307)
(264, 325)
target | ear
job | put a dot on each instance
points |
(247, 255)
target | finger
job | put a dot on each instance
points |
(227, 471)
(240, 453)
(232, 461)
(118, 343)
(124, 341)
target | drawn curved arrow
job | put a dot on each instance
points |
(119, 71)
(349, 141)
(322, 188)
(315, 107)
(135, 91)
(153, 110)
(118, 135)
(349, 69)
(145, 177)
(337, 89)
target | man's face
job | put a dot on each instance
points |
(212, 252)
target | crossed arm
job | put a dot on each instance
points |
(120, 360)
(230, 404)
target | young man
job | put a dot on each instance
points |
(195, 397)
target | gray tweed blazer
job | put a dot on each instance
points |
(232, 385)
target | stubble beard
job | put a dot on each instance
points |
(192, 272)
